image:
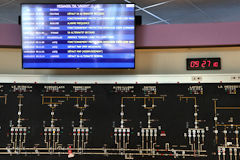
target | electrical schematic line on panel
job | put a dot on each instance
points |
(80, 133)
(19, 132)
(148, 134)
(195, 135)
(4, 98)
(120, 121)
(226, 133)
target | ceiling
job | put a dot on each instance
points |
(152, 11)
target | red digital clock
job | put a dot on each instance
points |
(203, 64)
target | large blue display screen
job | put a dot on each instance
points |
(78, 36)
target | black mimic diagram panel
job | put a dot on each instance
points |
(120, 121)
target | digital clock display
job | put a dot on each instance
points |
(203, 64)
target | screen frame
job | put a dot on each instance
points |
(74, 67)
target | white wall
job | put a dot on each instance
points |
(148, 61)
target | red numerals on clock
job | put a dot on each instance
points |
(194, 64)
(215, 64)
(203, 64)
(206, 63)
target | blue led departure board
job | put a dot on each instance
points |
(78, 35)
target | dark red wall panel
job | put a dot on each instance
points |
(10, 35)
(181, 35)
(162, 35)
